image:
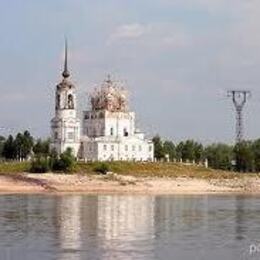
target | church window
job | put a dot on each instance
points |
(133, 148)
(140, 148)
(57, 101)
(70, 102)
(111, 131)
(105, 147)
(125, 132)
(150, 148)
(56, 135)
(112, 147)
(126, 148)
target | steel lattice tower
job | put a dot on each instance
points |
(239, 98)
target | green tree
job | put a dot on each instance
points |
(244, 156)
(28, 144)
(2, 143)
(179, 151)
(40, 164)
(256, 151)
(169, 148)
(23, 145)
(9, 150)
(65, 162)
(191, 150)
(219, 156)
(198, 152)
(159, 152)
(42, 147)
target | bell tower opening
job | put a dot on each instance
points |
(70, 101)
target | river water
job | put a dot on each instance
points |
(34, 227)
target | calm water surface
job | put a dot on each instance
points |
(75, 227)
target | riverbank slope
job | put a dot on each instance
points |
(132, 178)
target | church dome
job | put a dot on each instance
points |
(111, 96)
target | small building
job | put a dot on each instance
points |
(108, 127)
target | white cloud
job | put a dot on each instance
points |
(152, 37)
(128, 31)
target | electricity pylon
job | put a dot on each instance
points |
(239, 98)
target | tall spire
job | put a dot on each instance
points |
(66, 73)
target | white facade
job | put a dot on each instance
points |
(65, 126)
(108, 131)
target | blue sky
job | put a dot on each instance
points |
(177, 57)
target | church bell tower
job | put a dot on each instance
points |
(65, 126)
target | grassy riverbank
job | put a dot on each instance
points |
(128, 177)
(136, 169)
(173, 170)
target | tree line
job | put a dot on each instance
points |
(42, 159)
(22, 146)
(241, 157)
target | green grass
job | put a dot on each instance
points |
(172, 170)
(14, 167)
(137, 169)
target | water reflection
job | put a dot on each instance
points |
(127, 227)
(126, 220)
(69, 219)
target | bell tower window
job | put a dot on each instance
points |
(70, 102)
(56, 135)
(57, 101)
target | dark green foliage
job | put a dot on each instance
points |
(2, 143)
(42, 147)
(161, 149)
(18, 148)
(65, 162)
(179, 150)
(190, 151)
(256, 151)
(102, 168)
(159, 152)
(169, 148)
(23, 145)
(40, 164)
(244, 156)
(219, 156)
(9, 149)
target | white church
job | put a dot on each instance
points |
(107, 132)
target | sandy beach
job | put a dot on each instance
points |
(114, 183)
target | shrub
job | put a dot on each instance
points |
(40, 165)
(65, 162)
(102, 168)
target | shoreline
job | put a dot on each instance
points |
(49, 183)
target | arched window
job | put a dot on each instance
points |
(111, 131)
(70, 102)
